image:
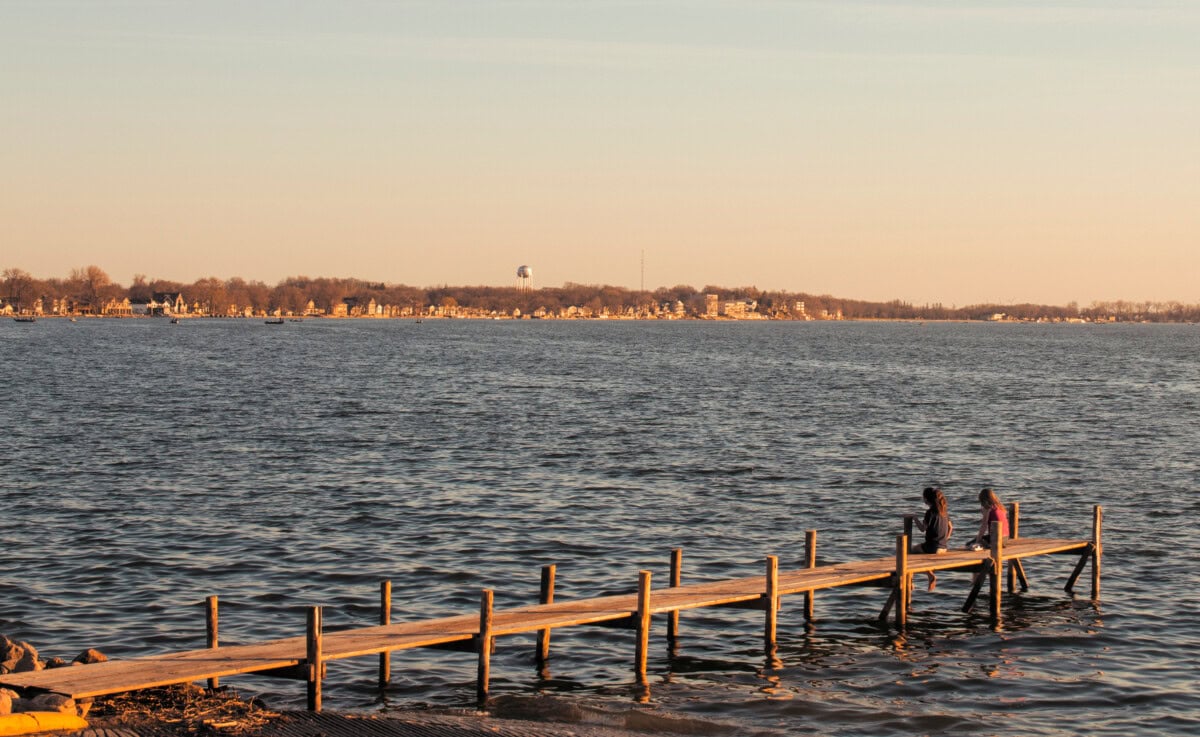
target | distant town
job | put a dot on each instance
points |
(91, 292)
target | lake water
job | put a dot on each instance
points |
(147, 465)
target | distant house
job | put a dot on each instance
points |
(167, 303)
(117, 308)
(741, 309)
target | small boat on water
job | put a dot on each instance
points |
(276, 321)
(174, 320)
(25, 318)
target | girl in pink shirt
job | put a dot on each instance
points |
(993, 511)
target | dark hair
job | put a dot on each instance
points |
(988, 498)
(936, 499)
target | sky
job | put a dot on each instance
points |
(954, 152)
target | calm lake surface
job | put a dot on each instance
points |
(147, 465)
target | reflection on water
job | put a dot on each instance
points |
(284, 468)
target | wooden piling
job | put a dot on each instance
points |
(210, 625)
(976, 586)
(545, 596)
(385, 618)
(642, 623)
(902, 592)
(210, 621)
(313, 657)
(1097, 549)
(1014, 520)
(483, 645)
(676, 582)
(771, 596)
(810, 561)
(996, 567)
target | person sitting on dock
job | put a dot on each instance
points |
(936, 525)
(993, 511)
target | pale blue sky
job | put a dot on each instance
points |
(930, 151)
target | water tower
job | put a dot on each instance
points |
(524, 278)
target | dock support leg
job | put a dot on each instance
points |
(976, 587)
(810, 561)
(385, 618)
(484, 645)
(1097, 550)
(313, 658)
(642, 625)
(1014, 519)
(545, 596)
(210, 617)
(996, 568)
(1021, 579)
(902, 581)
(676, 582)
(891, 602)
(772, 604)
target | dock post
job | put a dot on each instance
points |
(484, 645)
(810, 561)
(385, 618)
(545, 596)
(996, 567)
(772, 603)
(1014, 521)
(1097, 549)
(210, 620)
(676, 581)
(902, 592)
(642, 624)
(313, 658)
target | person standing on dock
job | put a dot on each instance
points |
(993, 511)
(936, 525)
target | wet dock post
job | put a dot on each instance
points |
(902, 589)
(642, 624)
(210, 620)
(996, 567)
(676, 581)
(313, 658)
(545, 596)
(810, 561)
(385, 618)
(484, 645)
(1097, 549)
(1016, 571)
(771, 601)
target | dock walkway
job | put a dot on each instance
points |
(303, 657)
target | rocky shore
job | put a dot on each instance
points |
(20, 657)
(187, 710)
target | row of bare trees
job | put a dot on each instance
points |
(88, 288)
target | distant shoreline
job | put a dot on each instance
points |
(529, 318)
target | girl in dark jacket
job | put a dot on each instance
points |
(936, 525)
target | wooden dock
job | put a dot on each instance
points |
(304, 657)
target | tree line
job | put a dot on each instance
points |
(88, 289)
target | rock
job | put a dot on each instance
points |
(54, 663)
(82, 707)
(90, 656)
(6, 701)
(17, 657)
(51, 702)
